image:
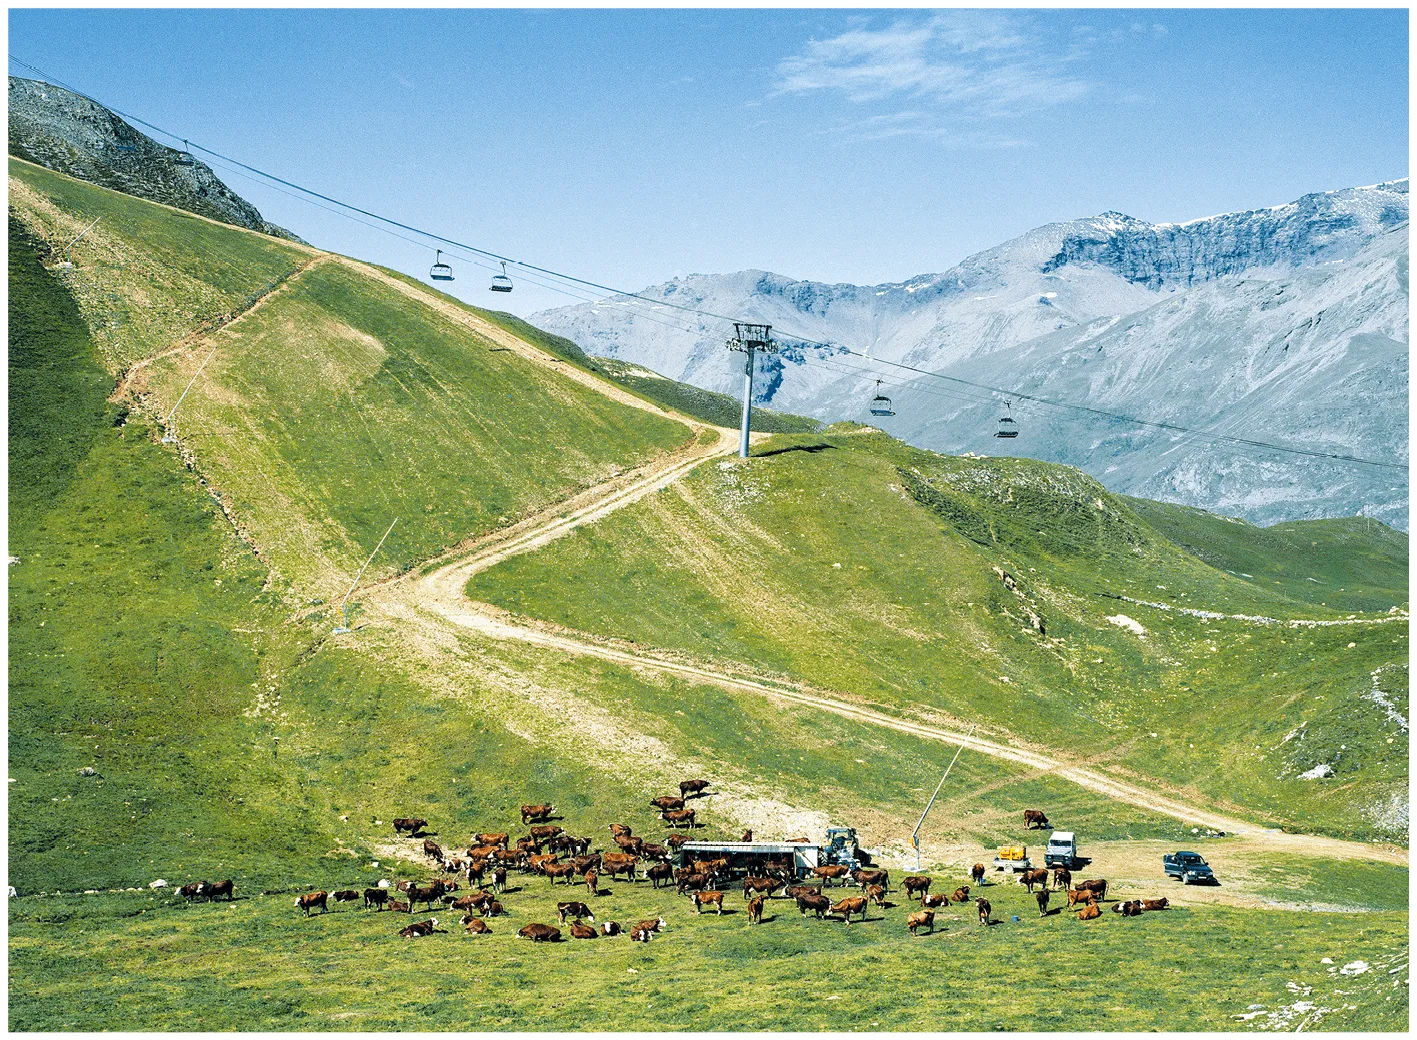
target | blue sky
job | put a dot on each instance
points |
(629, 147)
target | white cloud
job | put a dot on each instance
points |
(971, 64)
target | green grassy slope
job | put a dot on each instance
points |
(339, 403)
(719, 409)
(1351, 564)
(858, 541)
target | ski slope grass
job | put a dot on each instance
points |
(855, 540)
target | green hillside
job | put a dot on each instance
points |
(857, 540)
(719, 409)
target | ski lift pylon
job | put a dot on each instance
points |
(500, 282)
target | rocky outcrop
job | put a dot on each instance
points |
(61, 130)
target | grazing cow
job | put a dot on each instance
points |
(678, 818)
(961, 894)
(499, 839)
(546, 831)
(692, 787)
(425, 895)
(499, 879)
(194, 890)
(610, 928)
(475, 926)
(817, 903)
(410, 824)
(1155, 904)
(493, 909)
(1029, 878)
(935, 901)
(222, 888)
(660, 872)
(619, 830)
(508, 857)
(1085, 896)
(830, 873)
(641, 934)
(871, 877)
(765, 886)
(850, 905)
(924, 918)
(309, 902)
(419, 928)
(346, 895)
(538, 864)
(592, 882)
(650, 850)
(615, 864)
(573, 909)
(1098, 885)
(375, 897)
(539, 933)
(399, 908)
(1091, 912)
(629, 843)
(475, 869)
(559, 870)
(976, 873)
(528, 845)
(915, 885)
(982, 905)
(654, 924)
(755, 910)
(693, 883)
(584, 863)
(536, 813)
(711, 867)
(582, 931)
(1034, 818)
(702, 899)
(876, 894)
(674, 841)
(1042, 896)
(1062, 878)
(667, 801)
(433, 849)
(793, 891)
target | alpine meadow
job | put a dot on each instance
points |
(379, 661)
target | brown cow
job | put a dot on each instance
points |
(508, 857)
(818, 904)
(573, 909)
(493, 909)
(475, 926)
(193, 890)
(638, 934)
(1098, 885)
(982, 905)
(651, 850)
(660, 872)
(1081, 895)
(584, 863)
(850, 905)
(693, 883)
(872, 877)
(678, 818)
(876, 894)
(1042, 896)
(924, 918)
(1155, 904)
(747, 836)
(629, 843)
(537, 814)
(582, 931)
(499, 879)
(592, 882)
(1034, 818)
(424, 894)
(223, 888)
(433, 849)
(675, 841)
(692, 787)
(1062, 878)
(312, 900)
(667, 801)
(830, 873)
(915, 885)
(755, 910)
(346, 895)
(615, 864)
(654, 924)
(1091, 912)
(702, 899)
(539, 933)
(538, 864)
(499, 839)
(399, 908)
(764, 886)
(934, 902)
(793, 891)
(1029, 878)
(961, 894)
(610, 928)
(1133, 909)
(419, 928)
(546, 831)
(619, 830)
(474, 901)
(976, 873)
(375, 897)
(559, 870)
(409, 823)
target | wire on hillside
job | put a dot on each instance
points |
(1013, 395)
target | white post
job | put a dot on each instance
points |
(915, 835)
(747, 404)
(345, 627)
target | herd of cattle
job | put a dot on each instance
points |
(473, 879)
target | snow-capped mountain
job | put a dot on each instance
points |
(1286, 324)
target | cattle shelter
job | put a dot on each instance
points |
(752, 857)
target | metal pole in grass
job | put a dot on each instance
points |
(915, 834)
(341, 629)
(749, 338)
(168, 437)
(68, 260)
